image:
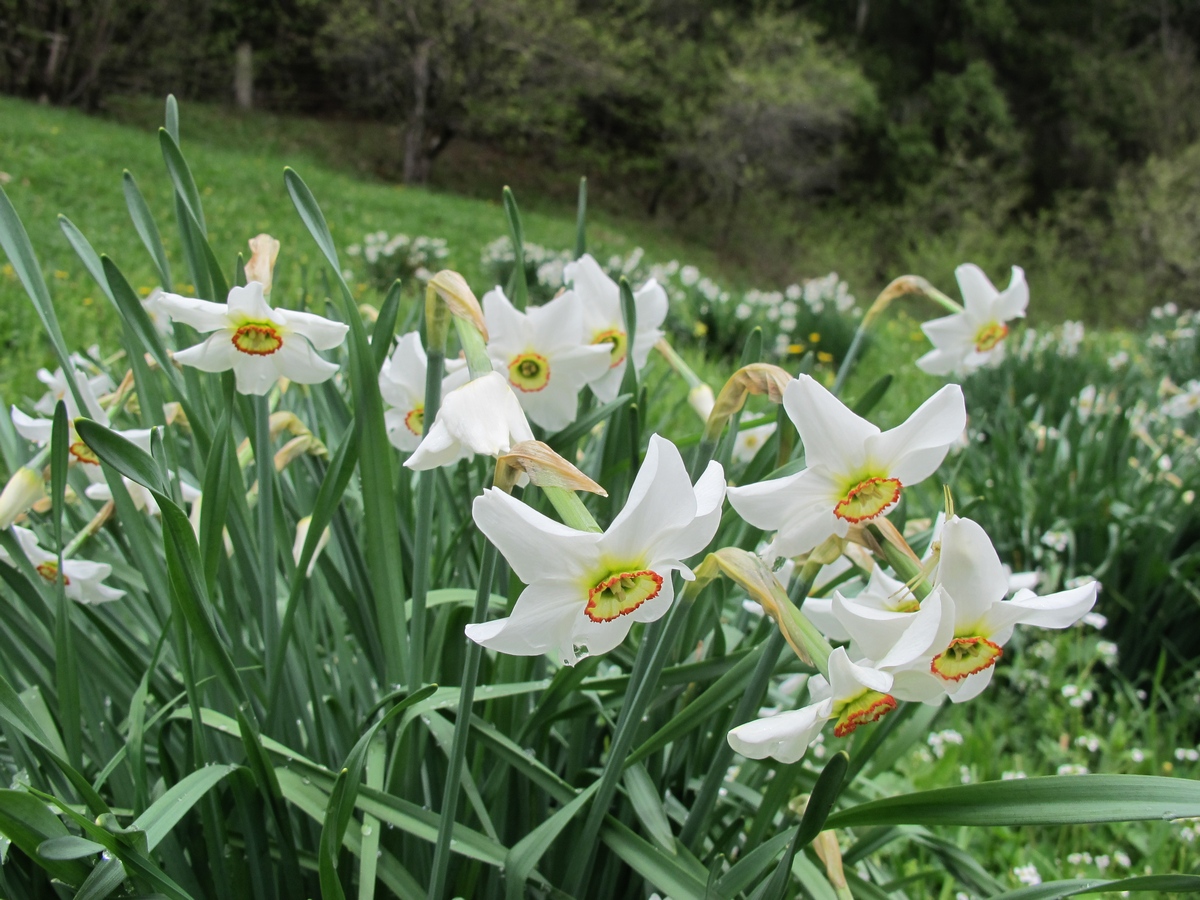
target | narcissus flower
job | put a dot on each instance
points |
(82, 580)
(585, 589)
(604, 324)
(481, 417)
(56, 389)
(976, 619)
(855, 472)
(141, 497)
(965, 341)
(259, 343)
(39, 431)
(402, 384)
(543, 354)
(854, 695)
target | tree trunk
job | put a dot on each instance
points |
(416, 162)
(243, 76)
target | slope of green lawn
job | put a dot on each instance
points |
(60, 161)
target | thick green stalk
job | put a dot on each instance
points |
(462, 728)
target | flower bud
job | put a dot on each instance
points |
(544, 467)
(452, 289)
(23, 490)
(264, 249)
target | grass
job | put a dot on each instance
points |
(60, 161)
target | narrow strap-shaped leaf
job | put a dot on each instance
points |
(1051, 800)
(122, 454)
(871, 396)
(86, 253)
(385, 325)
(527, 852)
(581, 219)
(669, 874)
(181, 176)
(66, 675)
(165, 813)
(171, 117)
(143, 223)
(105, 878)
(25, 820)
(139, 322)
(1052, 890)
(820, 802)
(647, 802)
(15, 242)
(518, 286)
(369, 858)
(268, 784)
(584, 424)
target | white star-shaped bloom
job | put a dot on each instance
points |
(965, 341)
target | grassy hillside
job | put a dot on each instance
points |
(59, 161)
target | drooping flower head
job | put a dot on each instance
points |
(544, 355)
(604, 324)
(480, 417)
(853, 695)
(965, 341)
(82, 580)
(854, 472)
(586, 589)
(259, 343)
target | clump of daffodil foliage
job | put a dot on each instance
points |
(300, 601)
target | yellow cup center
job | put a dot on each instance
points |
(529, 372)
(867, 499)
(257, 339)
(415, 420)
(990, 335)
(620, 593)
(617, 339)
(869, 706)
(49, 571)
(83, 453)
(965, 656)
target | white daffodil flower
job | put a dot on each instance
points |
(977, 620)
(750, 440)
(82, 580)
(854, 695)
(481, 417)
(543, 354)
(604, 324)
(402, 384)
(587, 589)
(259, 343)
(855, 472)
(965, 341)
(91, 387)
(39, 431)
(159, 315)
(141, 497)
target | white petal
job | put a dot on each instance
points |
(542, 621)
(977, 290)
(1011, 304)
(819, 611)
(536, 546)
(875, 631)
(322, 333)
(661, 500)
(557, 326)
(970, 572)
(38, 431)
(299, 362)
(833, 436)
(941, 362)
(247, 304)
(784, 737)
(652, 305)
(398, 432)
(971, 686)
(608, 386)
(509, 330)
(926, 627)
(483, 416)
(1059, 610)
(919, 686)
(216, 354)
(847, 679)
(255, 374)
(200, 314)
(402, 377)
(601, 637)
(599, 294)
(913, 450)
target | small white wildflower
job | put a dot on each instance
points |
(1080, 859)
(1072, 769)
(1137, 754)
(1012, 776)
(1121, 858)
(964, 773)
(1057, 540)
(1027, 874)
(1090, 741)
(1108, 652)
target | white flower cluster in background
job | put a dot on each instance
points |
(388, 257)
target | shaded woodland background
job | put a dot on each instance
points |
(871, 137)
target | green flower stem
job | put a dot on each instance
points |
(474, 348)
(678, 363)
(462, 728)
(571, 509)
(423, 534)
(88, 530)
(694, 826)
(265, 468)
(902, 564)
